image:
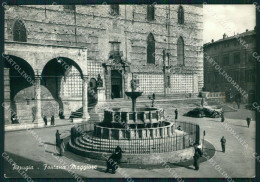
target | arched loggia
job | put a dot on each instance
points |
(65, 81)
(19, 81)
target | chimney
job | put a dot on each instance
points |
(224, 36)
(212, 40)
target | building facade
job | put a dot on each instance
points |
(63, 48)
(235, 56)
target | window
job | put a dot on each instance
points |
(236, 76)
(150, 12)
(236, 58)
(180, 15)
(250, 75)
(114, 9)
(19, 32)
(69, 7)
(150, 49)
(71, 84)
(180, 51)
(225, 60)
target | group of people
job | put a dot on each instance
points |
(46, 121)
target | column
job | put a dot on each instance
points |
(85, 115)
(109, 133)
(37, 89)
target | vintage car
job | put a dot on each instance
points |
(205, 111)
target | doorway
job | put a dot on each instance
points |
(116, 84)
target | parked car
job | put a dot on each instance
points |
(200, 112)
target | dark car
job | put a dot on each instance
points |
(203, 112)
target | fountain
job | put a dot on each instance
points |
(138, 131)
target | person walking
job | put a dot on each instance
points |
(248, 120)
(52, 120)
(198, 153)
(223, 144)
(202, 102)
(153, 98)
(73, 134)
(45, 120)
(222, 117)
(176, 114)
(57, 138)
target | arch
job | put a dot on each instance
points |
(63, 78)
(180, 51)
(181, 15)
(21, 74)
(64, 63)
(59, 70)
(150, 49)
(150, 12)
(19, 31)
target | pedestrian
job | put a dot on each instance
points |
(202, 102)
(222, 117)
(119, 152)
(223, 144)
(112, 163)
(45, 120)
(52, 120)
(57, 138)
(176, 114)
(198, 153)
(153, 98)
(73, 134)
(248, 120)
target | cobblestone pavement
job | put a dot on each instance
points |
(237, 161)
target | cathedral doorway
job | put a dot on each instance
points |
(116, 84)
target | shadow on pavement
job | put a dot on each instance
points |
(240, 125)
(48, 143)
(213, 149)
(52, 153)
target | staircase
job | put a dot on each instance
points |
(93, 115)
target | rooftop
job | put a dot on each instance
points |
(226, 38)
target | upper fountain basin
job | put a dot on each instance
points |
(134, 94)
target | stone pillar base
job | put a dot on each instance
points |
(101, 94)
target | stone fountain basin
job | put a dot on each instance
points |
(133, 94)
(126, 133)
(140, 116)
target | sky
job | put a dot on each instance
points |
(220, 19)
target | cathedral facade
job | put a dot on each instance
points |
(54, 55)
